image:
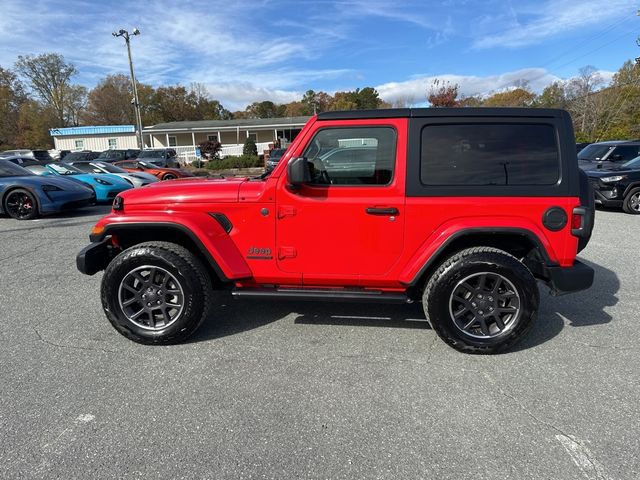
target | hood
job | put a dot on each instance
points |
(607, 172)
(109, 177)
(37, 181)
(192, 190)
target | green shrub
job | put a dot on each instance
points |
(250, 147)
(244, 161)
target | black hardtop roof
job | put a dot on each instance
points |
(441, 112)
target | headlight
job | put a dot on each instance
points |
(103, 182)
(51, 188)
(614, 178)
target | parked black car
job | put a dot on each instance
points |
(608, 154)
(160, 157)
(118, 155)
(274, 157)
(618, 186)
(82, 156)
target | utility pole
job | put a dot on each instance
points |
(136, 103)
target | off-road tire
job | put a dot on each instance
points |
(179, 262)
(439, 288)
(626, 203)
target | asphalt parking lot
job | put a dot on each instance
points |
(301, 390)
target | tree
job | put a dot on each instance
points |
(110, 102)
(49, 77)
(250, 147)
(553, 96)
(76, 102)
(206, 107)
(265, 109)
(517, 97)
(443, 94)
(12, 96)
(34, 121)
(210, 149)
(581, 90)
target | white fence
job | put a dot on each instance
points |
(188, 154)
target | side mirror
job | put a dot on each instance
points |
(298, 172)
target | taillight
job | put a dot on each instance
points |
(576, 221)
(579, 222)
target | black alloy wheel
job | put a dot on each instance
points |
(21, 205)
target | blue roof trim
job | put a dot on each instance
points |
(100, 129)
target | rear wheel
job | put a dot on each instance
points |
(156, 293)
(169, 176)
(21, 204)
(631, 203)
(481, 300)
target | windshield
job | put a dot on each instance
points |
(64, 169)
(594, 152)
(633, 163)
(151, 154)
(276, 153)
(107, 167)
(146, 164)
(8, 169)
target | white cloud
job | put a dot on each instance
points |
(414, 91)
(528, 24)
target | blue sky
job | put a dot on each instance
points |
(247, 51)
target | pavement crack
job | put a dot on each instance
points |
(72, 347)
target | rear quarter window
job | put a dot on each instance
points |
(486, 154)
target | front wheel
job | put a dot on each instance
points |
(631, 203)
(21, 204)
(169, 176)
(156, 293)
(481, 300)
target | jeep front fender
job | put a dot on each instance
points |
(213, 242)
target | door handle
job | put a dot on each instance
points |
(382, 211)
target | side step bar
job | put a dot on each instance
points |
(335, 295)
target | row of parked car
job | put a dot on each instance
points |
(32, 184)
(614, 171)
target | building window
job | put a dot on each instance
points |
(173, 141)
(253, 136)
(113, 143)
(79, 144)
(212, 138)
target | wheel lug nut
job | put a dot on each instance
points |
(149, 304)
(158, 302)
(479, 295)
(474, 304)
(490, 299)
(480, 312)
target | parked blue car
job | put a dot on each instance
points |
(24, 195)
(106, 186)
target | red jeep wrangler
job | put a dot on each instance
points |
(461, 209)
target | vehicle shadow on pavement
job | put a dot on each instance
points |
(582, 309)
(99, 209)
(236, 316)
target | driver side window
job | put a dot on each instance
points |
(352, 156)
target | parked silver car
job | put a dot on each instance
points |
(137, 179)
